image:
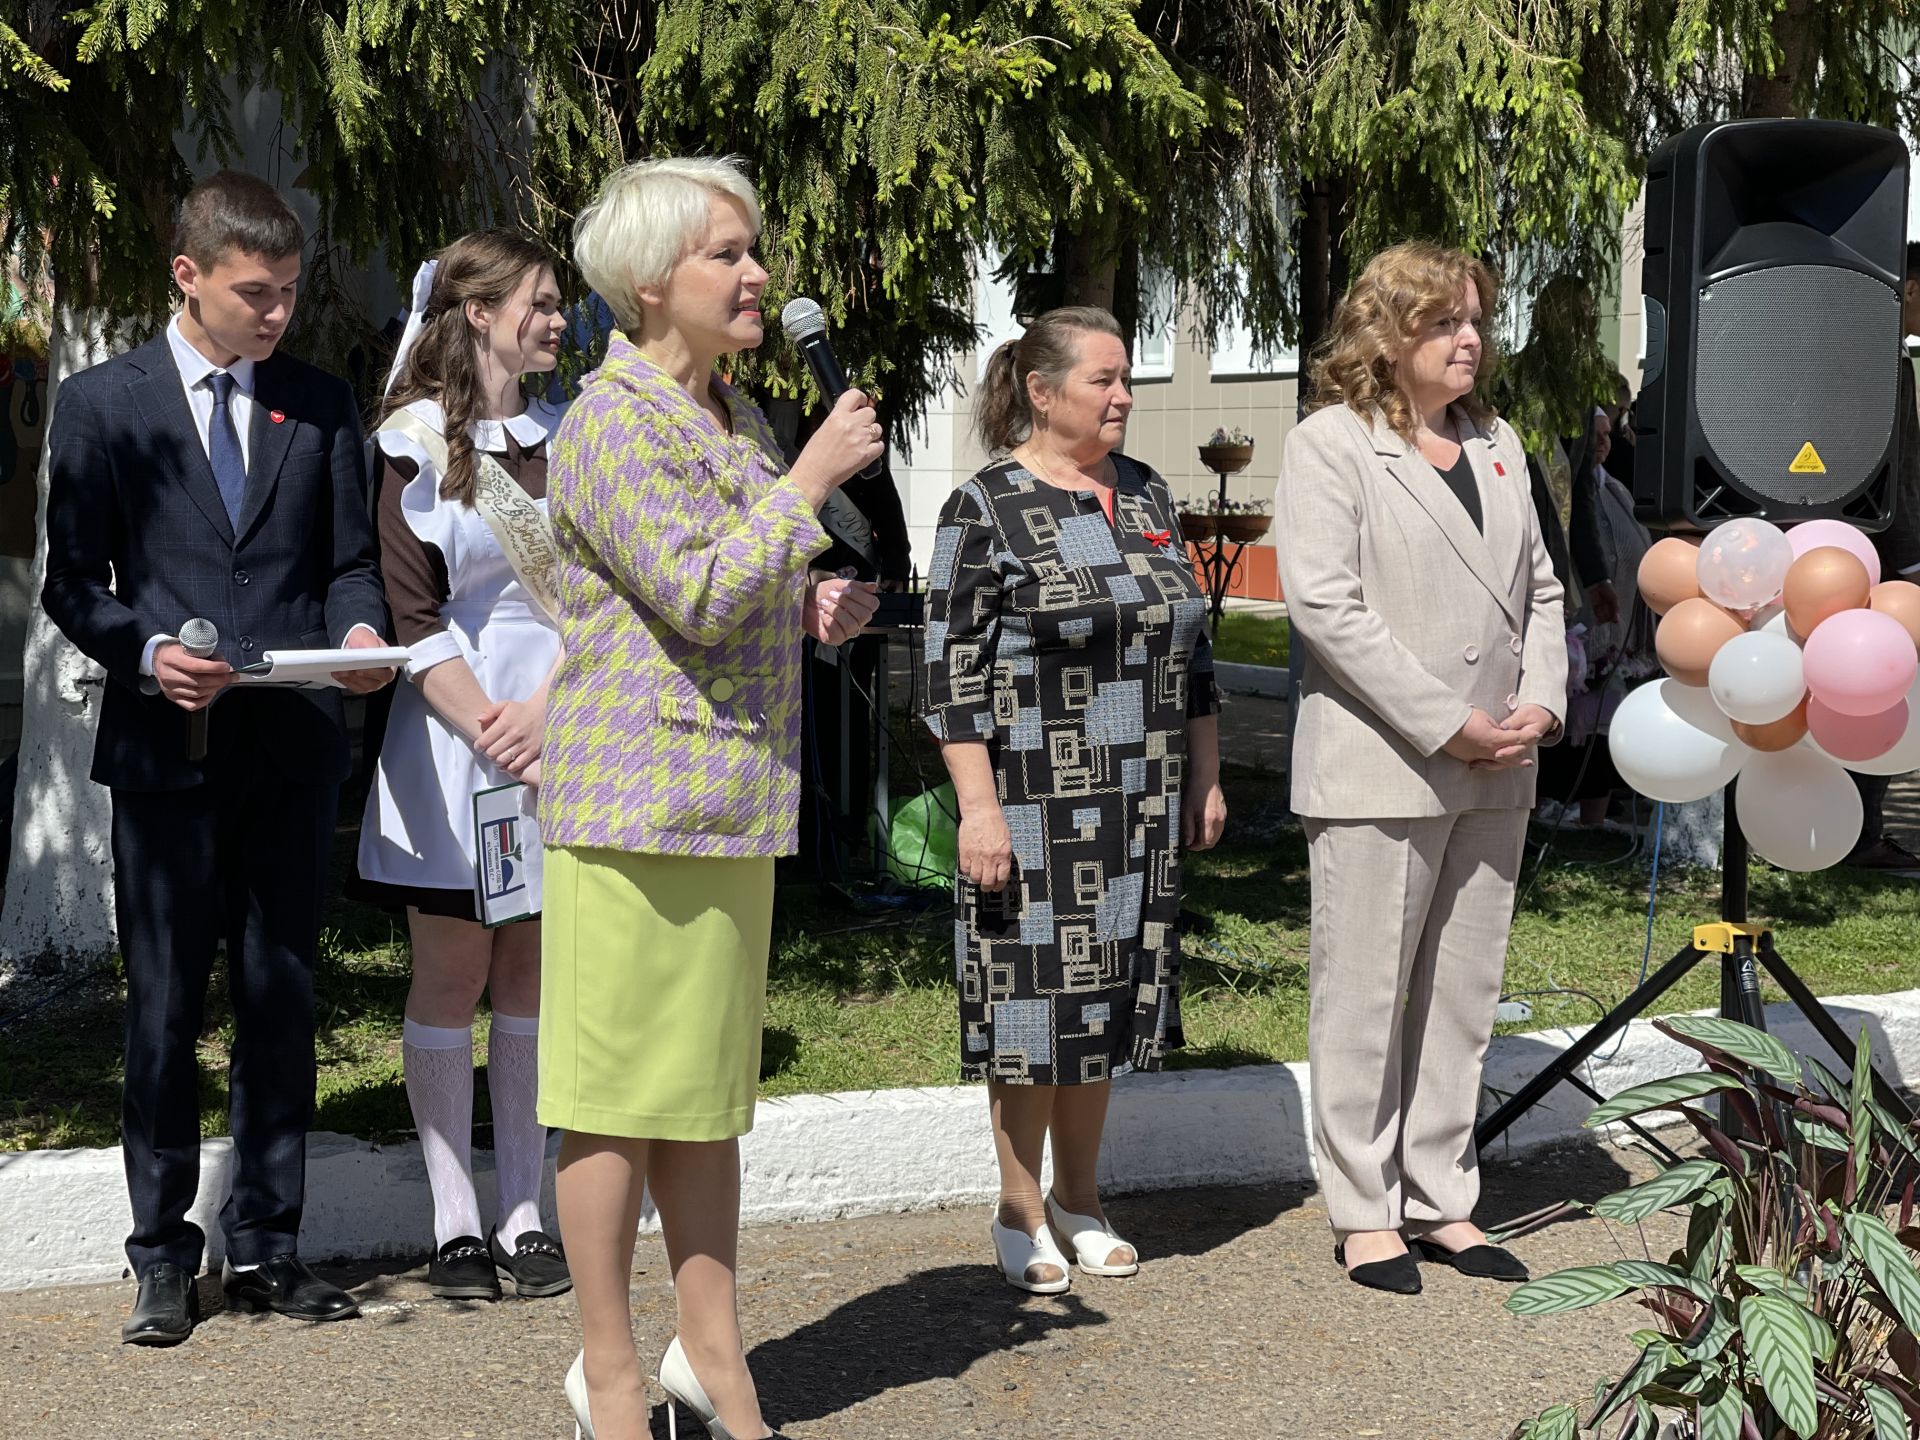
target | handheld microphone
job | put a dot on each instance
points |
(198, 638)
(806, 325)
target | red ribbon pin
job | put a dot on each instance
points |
(1159, 539)
(279, 417)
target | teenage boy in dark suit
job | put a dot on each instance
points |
(204, 476)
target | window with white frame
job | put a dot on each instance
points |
(993, 309)
(1235, 357)
(1154, 336)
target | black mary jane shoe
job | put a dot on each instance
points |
(1397, 1276)
(537, 1266)
(1482, 1262)
(286, 1286)
(463, 1270)
(166, 1309)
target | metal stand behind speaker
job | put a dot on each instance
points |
(1744, 950)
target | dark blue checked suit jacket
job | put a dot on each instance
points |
(138, 542)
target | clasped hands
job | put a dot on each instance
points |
(511, 733)
(1487, 744)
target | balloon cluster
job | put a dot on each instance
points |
(1789, 662)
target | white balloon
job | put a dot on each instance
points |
(1757, 678)
(1799, 809)
(1670, 742)
(1744, 563)
(1770, 618)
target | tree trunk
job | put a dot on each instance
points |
(1126, 294)
(1315, 249)
(1087, 264)
(59, 901)
(1322, 265)
(1773, 95)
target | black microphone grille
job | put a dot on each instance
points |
(802, 318)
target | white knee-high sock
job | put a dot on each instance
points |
(519, 1140)
(439, 1066)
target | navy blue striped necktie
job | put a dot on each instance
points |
(223, 449)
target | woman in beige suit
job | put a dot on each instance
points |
(1417, 580)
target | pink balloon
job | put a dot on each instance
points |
(1854, 738)
(1860, 662)
(1815, 533)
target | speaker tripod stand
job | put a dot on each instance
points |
(1743, 950)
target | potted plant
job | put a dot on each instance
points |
(1196, 526)
(1792, 1308)
(1244, 521)
(1227, 452)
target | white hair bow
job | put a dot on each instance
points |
(416, 320)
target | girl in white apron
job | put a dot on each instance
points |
(460, 475)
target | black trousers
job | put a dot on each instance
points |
(833, 843)
(1873, 804)
(243, 858)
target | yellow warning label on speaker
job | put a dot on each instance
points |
(1808, 461)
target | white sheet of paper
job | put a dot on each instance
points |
(506, 836)
(316, 668)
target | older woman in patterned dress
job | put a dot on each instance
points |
(671, 781)
(1071, 685)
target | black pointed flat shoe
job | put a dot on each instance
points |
(1397, 1276)
(1482, 1262)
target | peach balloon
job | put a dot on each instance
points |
(1777, 735)
(1690, 636)
(1670, 573)
(1821, 584)
(1901, 600)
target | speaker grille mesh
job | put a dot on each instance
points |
(1794, 355)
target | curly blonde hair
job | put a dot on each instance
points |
(1402, 290)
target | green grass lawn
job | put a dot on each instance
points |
(1248, 639)
(857, 1003)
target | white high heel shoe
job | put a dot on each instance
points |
(1090, 1241)
(1018, 1253)
(683, 1388)
(577, 1398)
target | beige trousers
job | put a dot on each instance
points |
(1410, 923)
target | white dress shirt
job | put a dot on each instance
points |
(196, 372)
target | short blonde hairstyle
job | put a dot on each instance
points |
(646, 218)
(1402, 290)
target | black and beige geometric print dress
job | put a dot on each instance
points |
(1076, 647)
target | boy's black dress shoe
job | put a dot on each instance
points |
(1482, 1262)
(165, 1310)
(286, 1286)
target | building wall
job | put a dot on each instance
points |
(1184, 391)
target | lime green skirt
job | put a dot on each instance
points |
(653, 985)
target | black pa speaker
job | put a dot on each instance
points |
(1774, 257)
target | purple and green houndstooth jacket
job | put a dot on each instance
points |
(673, 722)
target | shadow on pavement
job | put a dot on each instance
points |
(877, 1343)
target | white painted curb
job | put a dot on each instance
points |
(64, 1213)
(1237, 679)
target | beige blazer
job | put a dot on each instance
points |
(1410, 617)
